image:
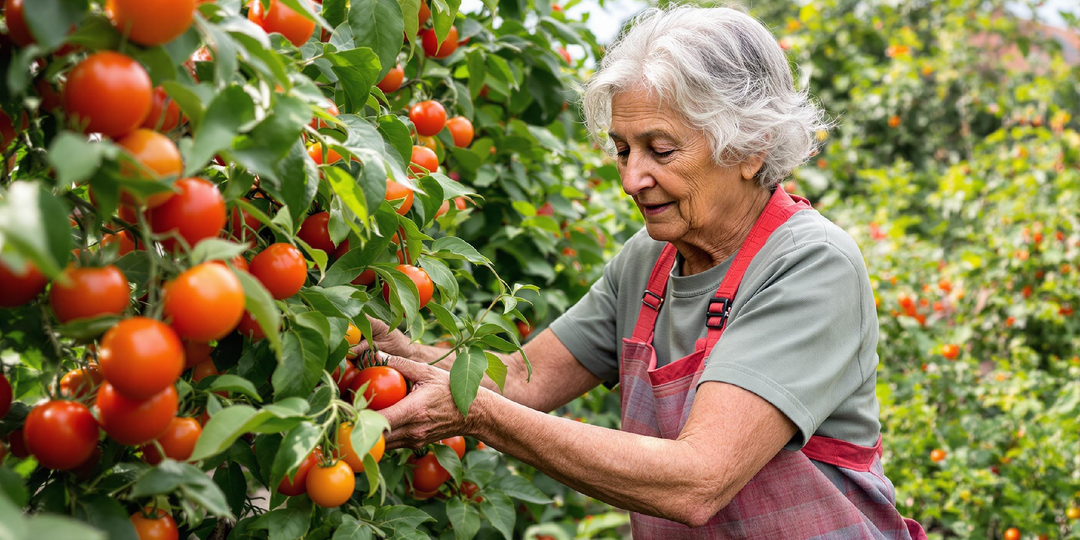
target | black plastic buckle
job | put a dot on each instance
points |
(659, 299)
(715, 318)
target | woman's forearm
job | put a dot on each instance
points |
(431, 353)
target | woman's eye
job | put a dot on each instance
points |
(665, 153)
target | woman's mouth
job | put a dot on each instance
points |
(654, 209)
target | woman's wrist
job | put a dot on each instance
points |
(479, 424)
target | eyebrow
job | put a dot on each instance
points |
(648, 135)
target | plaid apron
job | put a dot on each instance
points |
(789, 498)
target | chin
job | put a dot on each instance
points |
(663, 232)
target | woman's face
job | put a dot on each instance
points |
(668, 169)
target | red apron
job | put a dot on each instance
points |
(789, 498)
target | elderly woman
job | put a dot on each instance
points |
(739, 324)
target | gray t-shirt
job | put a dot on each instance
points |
(802, 333)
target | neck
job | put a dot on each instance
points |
(706, 248)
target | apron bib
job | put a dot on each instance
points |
(789, 498)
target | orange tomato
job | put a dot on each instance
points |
(204, 303)
(346, 452)
(109, 93)
(395, 192)
(164, 112)
(282, 19)
(88, 292)
(331, 486)
(178, 441)
(937, 455)
(140, 357)
(461, 129)
(393, 79)
(79, 382)
(151, 22)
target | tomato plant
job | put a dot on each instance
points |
(60, 434)
(384, 386)
(140, 357)
(331, 485)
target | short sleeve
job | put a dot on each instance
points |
(588, 328)
(797, 341)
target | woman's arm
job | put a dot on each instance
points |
(729, 436)
(557, 377)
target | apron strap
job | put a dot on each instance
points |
(779, 208)
(654, 295)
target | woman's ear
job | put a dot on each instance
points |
(751, 166)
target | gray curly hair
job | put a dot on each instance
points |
(724, 72)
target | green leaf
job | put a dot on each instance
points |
(410, 10)
(392, 517)
(231, 109)
(496, 370)
(272, 138)
(367, 429)
(225, 427)
(357, 70)
(230, 478)
(233, 383)
(448, 458)
(465, 377)
(50, 20)
(75, 158)
(288, 523)
(521, 489)
(397, 135)
(105, 513)
(352, 263)
(259, 303)
(498, 509)
(300, 365)
(28, 220)
(464, 517)
(215, 249)
(13, 486)
(351, 529)
(378, 25)
(444, 279)
(50, 526)
(350, 193)
(192, 482)
(443, 14)
(452, 247)
(295, 447)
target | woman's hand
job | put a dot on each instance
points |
(428, 414)
(389, 341)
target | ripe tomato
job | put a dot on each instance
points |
(109, 93)
(157, 154)
(433, 48)
(140, 357)
(331, 486)
(18, 31)
(428, 474)
(385, 386)
(204, 303)
(524, 328)
(18, 288)
(196, 212)
(1012, 533)
(203, 370)
(5, 395)
(126, 241)
(196, 353)
(297, 485)
(17, 444)
(937, 455)
(151, 23)
(134, 422)
(469, 489)
(424, 286)
(315, 232)
(318, 124)
(423, 15)
(367, 277)
(457, 443)
(281, 269)
(346, 452)
(353, 335)
(393, 79)
(950, 351)
(429, 117)
(462, 131)
(164, 113)
(565, 54)
(60, 434)
(395, 192)
(80, 381)
(423, 158)
(154, 524)
(344, 380)
(178, 441)
(282, 19)
(89, 292)
(241, 221)
(316, 153)
(250, 327)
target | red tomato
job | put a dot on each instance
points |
(297, 485)
(60, 434)
(424, 286)
(469, 489)
(17, 444)
(524, 328)
(395, 192)
(457, 443)
(423, 158)
(241, 221)
(331, 486)
(318, 124)
(89, 292)
(151, 22)
(164, 113)
(204, 303)
(315, 232)
(18, 31)
(461, 129)
(282, 19)
(18, 288)
(316, 153)
(109, 93)
(196, 353)
(250, 327)
(51, 99)
(281, 269)
(385, 386)
(423, 15)
(393, 79)
(5, 395)
(429, 117)
(196, 212)
(127, 242)
(79, 382)
(1012, 533)
(367, 277)
(565, 54)
(178, 441)
(433, 48)
(345, 380)
(203, 370)
(158, 526)
(428, 474)
(157, 154)
(134, 422)
(950, 351)
(140, 357)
